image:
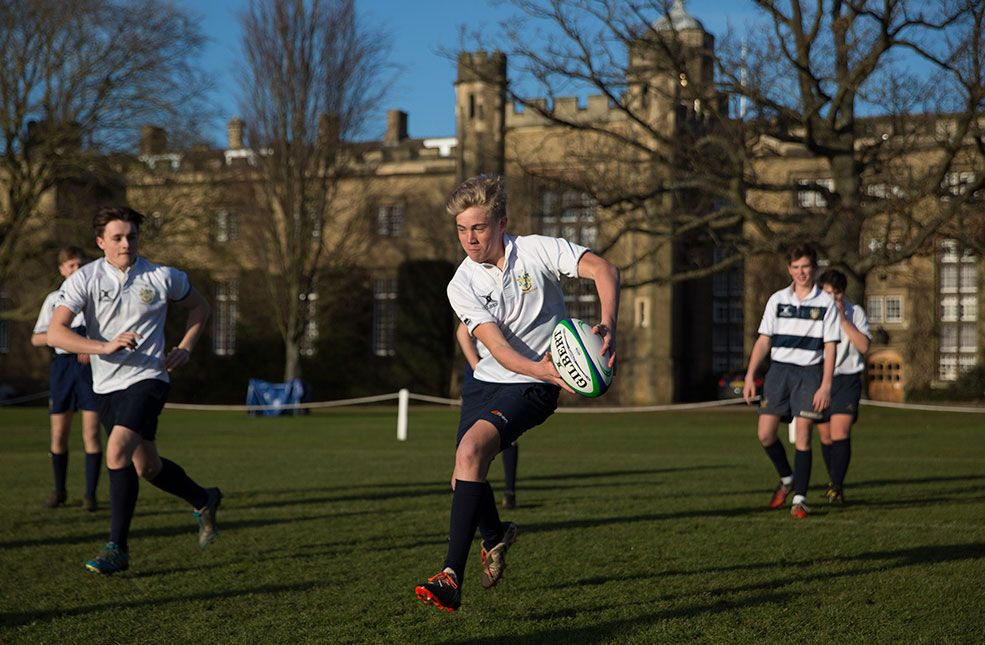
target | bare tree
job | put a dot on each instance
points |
(78, 78)
(878, 103)
(311, 76)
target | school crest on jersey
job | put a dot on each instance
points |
(146, 295)
(815, 313)
(526, 282)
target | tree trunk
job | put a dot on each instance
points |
(292, 360)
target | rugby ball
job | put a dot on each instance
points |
(577, 354)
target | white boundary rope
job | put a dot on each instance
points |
(921, 406)
(456, 402)
(283, 406)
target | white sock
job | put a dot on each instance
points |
(786, 481)
(799, 499)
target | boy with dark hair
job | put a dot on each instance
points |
(799, 331)
(125, 301)
(70, 383)
(846, 390)
(508, 295)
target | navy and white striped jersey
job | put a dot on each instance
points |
(798, 329)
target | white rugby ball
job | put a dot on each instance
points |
(577, 354)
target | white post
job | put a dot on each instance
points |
(792, 431)
(403, 398)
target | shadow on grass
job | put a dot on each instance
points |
(244, 557)
(764, 592)
(927, 554)
(603, 474)
(21, 618)
(590, 522)
(878, 483)
(862, 485)
(407, 490)
(169, 531)
(430, 491)
(620, 630)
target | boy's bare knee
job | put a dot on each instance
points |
(468, 455)
(147, 471)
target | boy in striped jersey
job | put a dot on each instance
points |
(800, 332)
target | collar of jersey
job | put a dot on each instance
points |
(110, 267)
(815, 290)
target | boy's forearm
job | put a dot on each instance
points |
(829, 363)
(64, 338)
(607, 286)
(756, 357)
(195, 326)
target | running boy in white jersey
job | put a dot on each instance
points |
(799, 331)
(70, 384)
(125, 301)
(507, 293)
(846, 391)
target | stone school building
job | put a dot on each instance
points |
(379, 317)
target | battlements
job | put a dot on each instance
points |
(593, 109)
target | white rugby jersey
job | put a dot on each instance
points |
(44, 318)
(849, 360)
(798, 329)
(524, 299)
(115, 301)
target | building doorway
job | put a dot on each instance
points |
(885, 374)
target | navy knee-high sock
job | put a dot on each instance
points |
(778, 456)
(826, 455)
(59, 468)
(510, 457)
(93, 462)
(124, 486)
(801, 472)
(841, 454)
(490, 526)
(465, 504)
(172, 479)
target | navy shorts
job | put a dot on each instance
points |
(136, 408)
(789, 390)
(513, 408)
(70, 383)
(846, 392)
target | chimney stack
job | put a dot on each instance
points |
(396, 127)
(153, 140)
(234, 133)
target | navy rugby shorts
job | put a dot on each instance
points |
(788, 390)
(846, 392)
(136, 407)
(70, 383)
(513, 408)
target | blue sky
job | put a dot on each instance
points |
(418, 28)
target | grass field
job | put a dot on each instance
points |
(638, 528)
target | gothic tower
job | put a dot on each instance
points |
(480, 119)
